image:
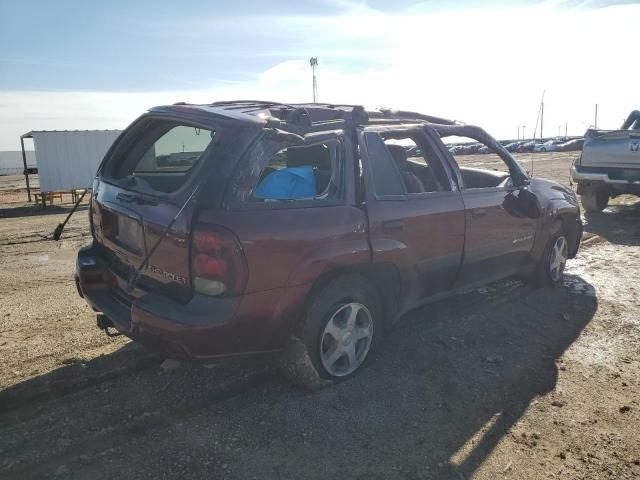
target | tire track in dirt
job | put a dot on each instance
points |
(110, 436)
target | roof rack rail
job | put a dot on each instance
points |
(408, 115)
(304, 116)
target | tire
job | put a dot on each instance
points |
(550, 268)
(594, 199)
(348, 307)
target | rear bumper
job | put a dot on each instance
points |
(580, 176)
(203, 329)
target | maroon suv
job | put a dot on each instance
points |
(247, 227)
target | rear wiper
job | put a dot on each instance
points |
(134, 276)
(133, 198)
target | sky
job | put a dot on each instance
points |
(98, 65)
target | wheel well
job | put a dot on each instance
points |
(570, 229)
(384, 277)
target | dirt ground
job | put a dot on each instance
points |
(506, 381)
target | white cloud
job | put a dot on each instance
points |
(286, 72)
(487, 67)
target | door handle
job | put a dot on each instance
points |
(393, 226)
(478, 213)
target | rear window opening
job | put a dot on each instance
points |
(162, 158)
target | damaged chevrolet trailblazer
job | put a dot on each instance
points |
(246, 227)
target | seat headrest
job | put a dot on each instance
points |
(314, 155)
(399, 154)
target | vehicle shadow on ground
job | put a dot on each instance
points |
(30, 210)
(619, 224)
(474, 364)
(451, 382)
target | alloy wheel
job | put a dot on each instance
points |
(346, 339)
(558, 258)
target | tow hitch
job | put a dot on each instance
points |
(104, 323)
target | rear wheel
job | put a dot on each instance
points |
(594, 198)
(550, 269)
(339, 334)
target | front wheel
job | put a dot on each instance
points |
(550, 269)
(341, 330)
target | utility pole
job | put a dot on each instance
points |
(518, 132)
(541, 118)
(565, 129)
(596, 118)
(313, 61)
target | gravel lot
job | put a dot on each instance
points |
(506, 381)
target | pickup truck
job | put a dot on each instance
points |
(609, 165)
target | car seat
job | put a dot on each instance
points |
(316, 156)
(411, 180)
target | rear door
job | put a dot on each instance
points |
(141, 187)
(420, 231)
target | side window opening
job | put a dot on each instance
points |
(309, 172)
(480, 165)
(420, 168)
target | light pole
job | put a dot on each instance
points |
(313, 61)
(523, 136)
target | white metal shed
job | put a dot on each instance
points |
(69, 159)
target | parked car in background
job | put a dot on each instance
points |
(512, 147)
(609, 164)
(548, 146)
(473, 148)
(527, 146)
(571, 145)
(277, 234)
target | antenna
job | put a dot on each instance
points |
(538, 119)
(313, 61)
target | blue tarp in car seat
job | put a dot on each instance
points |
(288, 184)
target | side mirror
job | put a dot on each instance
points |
(522, 203)
(524, 182)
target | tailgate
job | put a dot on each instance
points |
(611, 149)
(127, 225)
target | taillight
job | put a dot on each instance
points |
(218, 265)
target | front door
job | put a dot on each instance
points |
(416, 213)
(498, 239)
(501, 213)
